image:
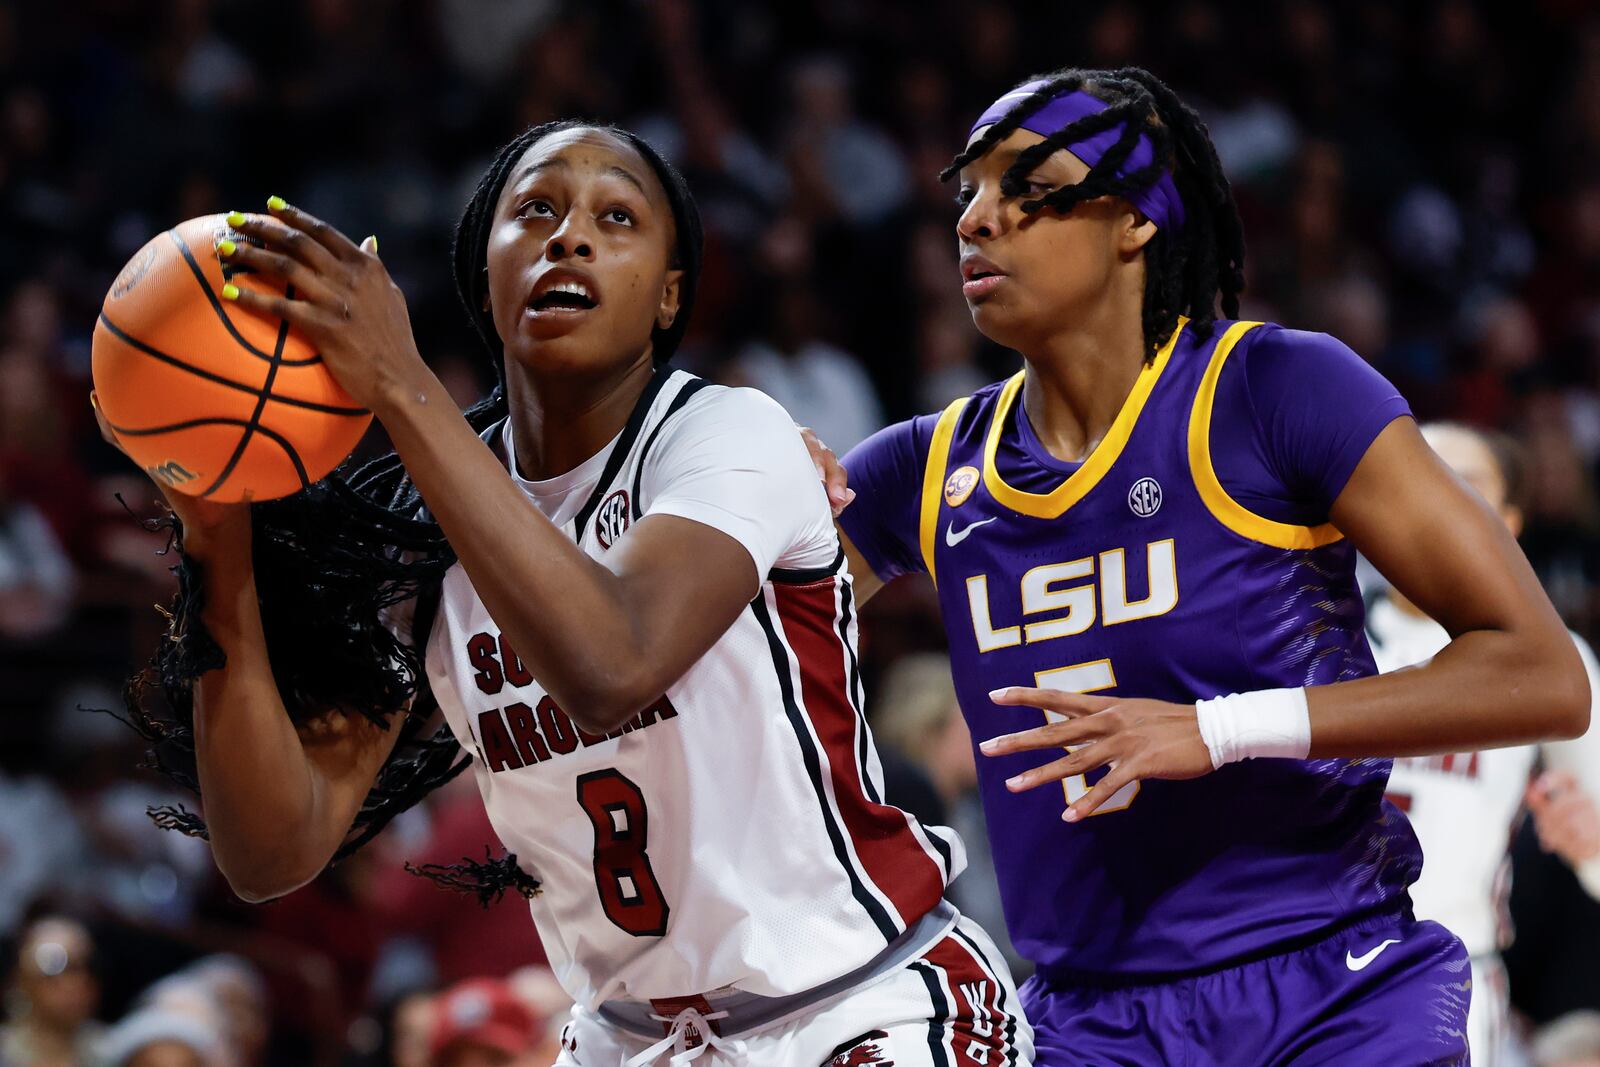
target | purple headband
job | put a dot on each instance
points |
(1160, 201)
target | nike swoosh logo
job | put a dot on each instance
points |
(952, 538)
(1359, 963)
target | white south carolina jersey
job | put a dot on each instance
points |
(1464, 806)
(733, 834)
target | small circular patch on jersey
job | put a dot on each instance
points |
(611, 521)
(959, 486)
(1145, 497)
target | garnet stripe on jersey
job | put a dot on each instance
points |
(971, 1026)
(863, 733)
(894, 859)
(852, 688)
(813, 763)
(994, 970)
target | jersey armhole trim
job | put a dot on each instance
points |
(690, 388)
(933, 481)
(1224, 508)
(624, 446)
(807, 575)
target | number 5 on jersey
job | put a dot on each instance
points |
(1084, 678)
(629, 892)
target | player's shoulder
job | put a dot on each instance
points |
(720, 425)
(969, 413)
(1274, 368)
(908, 441)
(1302, 349)
(733, 405)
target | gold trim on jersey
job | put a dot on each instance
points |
(1223, 507)
(1053, 505)
(933, 480)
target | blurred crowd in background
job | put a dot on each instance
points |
(1421, 180)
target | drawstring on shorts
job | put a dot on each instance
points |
(677, 1039)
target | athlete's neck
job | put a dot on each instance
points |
(558, 422)
(1079, 378)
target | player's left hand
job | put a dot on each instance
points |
(1565, 816)
(829, 470)
(344, 301)
(1136, 739)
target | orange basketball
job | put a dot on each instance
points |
(210, 399)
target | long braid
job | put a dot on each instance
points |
(332, 563)
(1185, 271)
(1208, 186)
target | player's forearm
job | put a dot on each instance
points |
(569, 618)
(254, 774)
(1486, 689)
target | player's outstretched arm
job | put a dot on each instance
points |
(278, 801)
(1510, 675)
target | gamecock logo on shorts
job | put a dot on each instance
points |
(861, 1051)
(611, 521)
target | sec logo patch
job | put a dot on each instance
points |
(959, 485)
(1144, 499)
(611, 521)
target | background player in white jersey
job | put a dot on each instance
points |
(1464, 806)
(632, 611)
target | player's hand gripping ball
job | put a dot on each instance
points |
(211, 398)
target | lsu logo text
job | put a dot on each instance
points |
(170, 473)
(1072, 609)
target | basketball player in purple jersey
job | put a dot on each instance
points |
(1144, 547)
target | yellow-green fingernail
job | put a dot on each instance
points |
(226, 247)
(276, 203)
(373, 241)
(235, 219)
(230, 292)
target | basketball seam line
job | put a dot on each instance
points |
(156, 353)
(216, 306)
(174, 427)
(261, 403)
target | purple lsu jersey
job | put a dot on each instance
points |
(1139, 576)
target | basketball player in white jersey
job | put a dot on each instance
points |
(646, 641)
(1464, 807)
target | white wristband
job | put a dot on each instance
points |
(1272, 722)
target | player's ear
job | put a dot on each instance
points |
(1137, 231)
(667, 310)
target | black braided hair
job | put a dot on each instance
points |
(1185, 271)
(332, 562)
